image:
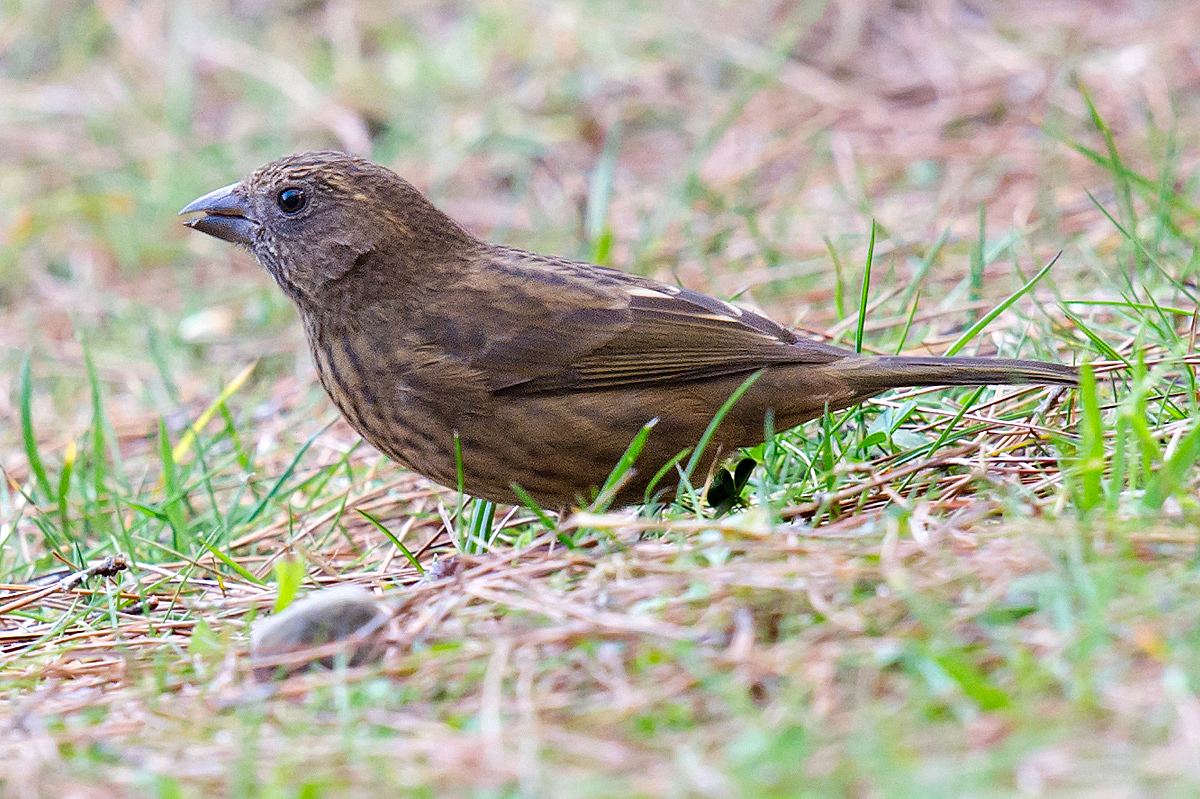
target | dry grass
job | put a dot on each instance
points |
(939, 594)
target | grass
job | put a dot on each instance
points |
(978, 593)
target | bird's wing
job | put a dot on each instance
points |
(555, 326)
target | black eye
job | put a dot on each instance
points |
(292, 200)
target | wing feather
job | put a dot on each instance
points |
(589, 328)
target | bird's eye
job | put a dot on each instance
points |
(291, 200)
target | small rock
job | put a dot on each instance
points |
(315, 630)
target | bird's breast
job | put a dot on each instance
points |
(405, 397)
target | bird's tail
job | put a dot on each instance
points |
(873, 374)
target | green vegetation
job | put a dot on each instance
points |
(959, 593)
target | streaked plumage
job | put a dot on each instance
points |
(545, 368)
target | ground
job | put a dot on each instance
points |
(942, 593)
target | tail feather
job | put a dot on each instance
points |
(873, 374)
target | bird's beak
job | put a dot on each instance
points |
(226, 215)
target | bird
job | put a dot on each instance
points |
(485, 367)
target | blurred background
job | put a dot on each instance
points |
(736, 147)
(991, 619)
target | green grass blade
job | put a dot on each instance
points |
(709, 431)
(543, 517)
(600, 188)
(866, 291)
(277, 486)
(1175, 470)
(839, 283)
(31, 446)
(978, 258)
(622, 471)
(289, 574)
(231, 563)
(172, 496)
(64, 488)
(663, 471)
(1090, 462)
(482, 527)
(987, 318)
(98, 444)
(405, 551)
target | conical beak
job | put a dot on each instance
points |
(226, 215)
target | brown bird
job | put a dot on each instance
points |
(545, 369)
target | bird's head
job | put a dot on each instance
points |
(312, 218)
